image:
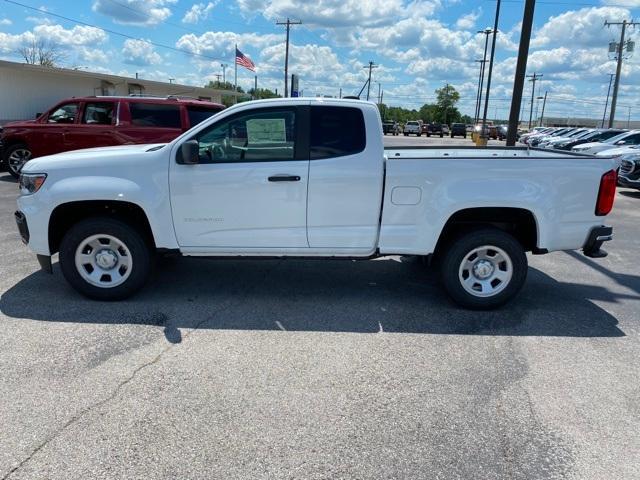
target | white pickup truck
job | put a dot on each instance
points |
(311, 178)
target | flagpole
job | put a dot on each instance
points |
(235, 86)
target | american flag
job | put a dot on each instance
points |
(243, 60)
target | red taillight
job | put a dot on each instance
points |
(607, 192)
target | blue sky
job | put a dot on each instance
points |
(419, 45)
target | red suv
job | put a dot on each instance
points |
(88, 122)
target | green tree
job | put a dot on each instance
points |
(263, 93)
(447, 98)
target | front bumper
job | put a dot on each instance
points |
(596, 238)
(628, 183)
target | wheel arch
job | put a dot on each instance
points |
(65, 215)
(519, 222)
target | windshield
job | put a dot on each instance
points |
(622, 136)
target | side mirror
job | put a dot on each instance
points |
(189, 153)
(621, 142)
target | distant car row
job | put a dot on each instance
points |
(605, 142)
(418, 128)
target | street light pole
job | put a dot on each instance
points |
(493, 53)
(544, 104)
(486, 32)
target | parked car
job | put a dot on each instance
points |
(625, 139)
(86, 122)
(458, 129)
(502, 132)
(445, 129)
(630, 170)
(579, 133)
(318, 184)
(491, 132)
(412, 127)
(435, 129)
(598, 135)
(390, 127)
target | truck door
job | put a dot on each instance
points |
(249, 190)
(345, 178)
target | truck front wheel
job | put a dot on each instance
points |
(105, 259)
(484, 269)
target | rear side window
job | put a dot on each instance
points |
(199, 114)
(336, 132)
(155, 115)
(98, 113)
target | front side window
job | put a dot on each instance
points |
(64, 114)
(155, 115)
(256, 136)
(100, 113)
(336, 132)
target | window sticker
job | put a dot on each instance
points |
(266, 130)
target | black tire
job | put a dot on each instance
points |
(406, 134)
(9, 165)
(418, 134)
(140, 254)
(441, 135)
(452, 135)
(452, 261)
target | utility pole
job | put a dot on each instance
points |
(255, 86)
(379, 100)
(224, 73)
(534, 78)
(629, 118)
(606, 103)
(619, 51)
(521, 70)
(484, 132)
(479, 93)
(340, 92)
(370, 67)
(486, 32)
(217, 75)
(544, 104)
(288, 23)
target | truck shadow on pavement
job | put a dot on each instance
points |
(393, 294)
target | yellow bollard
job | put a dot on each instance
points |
(481, 141)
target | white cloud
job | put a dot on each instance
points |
(199, 12)
(6, 21)
(579, 28)
(79, 35)
(622, 3)
(221, 45)
(139, 52)
(135, 12)
(468, 21)
(340, 13)
(92, 55)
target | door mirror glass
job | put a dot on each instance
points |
(189, 153)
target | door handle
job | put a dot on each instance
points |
(284, 178)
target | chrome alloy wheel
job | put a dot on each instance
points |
(103, 261)
(485, 271)
(18, 158)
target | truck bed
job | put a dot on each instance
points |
(438, 152)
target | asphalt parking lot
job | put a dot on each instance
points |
(322, 369)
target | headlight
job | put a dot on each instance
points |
(30, 183)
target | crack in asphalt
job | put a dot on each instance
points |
(73, 420)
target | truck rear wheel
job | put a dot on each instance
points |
(484, 269)
(105, 259)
